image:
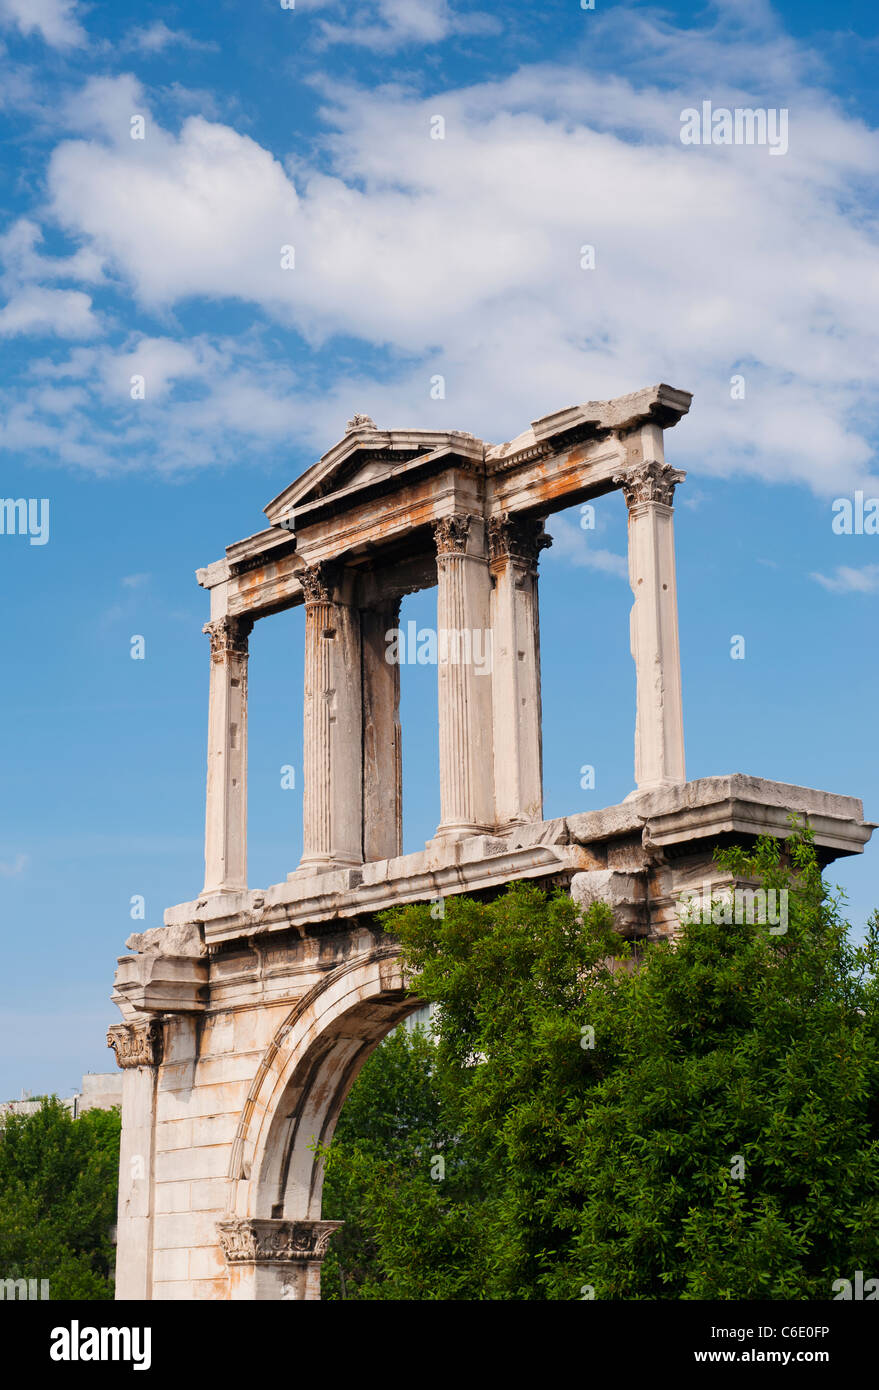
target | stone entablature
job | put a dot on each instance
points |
(382, 514)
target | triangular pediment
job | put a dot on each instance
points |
(363, 457)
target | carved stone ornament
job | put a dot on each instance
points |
(360, 422)
(318, 581)
(228, 637)
(514, 537)
(649, 482)
(260, 1240)
(451, 534)
(136, 1044)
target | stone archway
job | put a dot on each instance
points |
(273, 1236)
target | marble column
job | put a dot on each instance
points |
(332, 795)
(138, 1049)
(464, 666)
(274, 1259)
(514, 546)
(382, 737)
(226, 800)
(649, 487)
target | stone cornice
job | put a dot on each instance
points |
(261, 1240)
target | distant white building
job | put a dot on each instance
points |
(99, 1091)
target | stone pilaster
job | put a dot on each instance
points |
(274, 1259)
(332, 810)
(226, 800)
(514, 546)
(464, 667)
(659, 729)
(138, 1049)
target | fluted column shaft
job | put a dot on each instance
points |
(226, 797)
(332, 814)
(659, 727)
(514, 545)
(464, 666)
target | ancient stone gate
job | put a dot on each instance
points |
(249, 1014)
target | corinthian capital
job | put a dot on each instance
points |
(318, 581)
(649, 482)
(516, 537)
(255, 1240)
(136, 1044)
(228, 636)
(451, 534)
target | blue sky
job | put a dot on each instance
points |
(160, 257)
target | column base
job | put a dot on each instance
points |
(462, 830)
(660, 784)
(325, 864)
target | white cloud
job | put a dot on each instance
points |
(385, 25)
(155, 38)
(461, 257)
(12, 868)
(575, 546)
(61, 313)
(848, 580)
(23, 262)
(54, 20)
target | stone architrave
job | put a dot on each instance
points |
(332, 794)
(514, 545)
(649, 487)
(226, 799)
(274, 1259)
(464, 667)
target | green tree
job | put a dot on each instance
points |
(407, 1188)
(705, 1125)
(58, 1183)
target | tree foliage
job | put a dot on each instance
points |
(705, 1125)
(58, 1182)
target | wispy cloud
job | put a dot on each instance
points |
(848, 580)
(11, 868)
(574, 546)
(54, 20)
(155, 38)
